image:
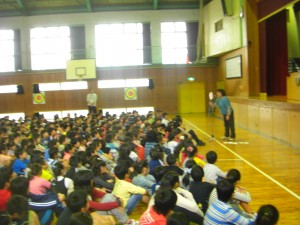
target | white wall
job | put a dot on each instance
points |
(233, 34)
(89, 20)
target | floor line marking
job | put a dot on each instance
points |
(247, 162)
(229, 160)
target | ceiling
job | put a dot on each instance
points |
(10, 8)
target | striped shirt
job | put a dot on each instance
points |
(212, 172)
(222, 213)
(237, 196)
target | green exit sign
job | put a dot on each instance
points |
(191, 78)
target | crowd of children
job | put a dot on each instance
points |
(97, 169)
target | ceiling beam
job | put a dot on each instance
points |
(88, 5)
(155, 4)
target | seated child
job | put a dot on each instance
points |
(4, 192)
(102, 179)
(5, 160)
(190, 152)
(129, 193)
(47, 172)
(220, 211)
(18, 209)
(186, 178)
(157, 157)
(240, 197)
(77, 202)
(142, 177)
(38, 185)
(61, 184)
(267, 214)
(173, 164)
(200, 189)
(212, 173)
(164, 203)
(20, 164)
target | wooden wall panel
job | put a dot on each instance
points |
(265, 121)
(163, 96)
(235, 86)
(280, 124)
(243, 115)
(294, 121)
(253, 113)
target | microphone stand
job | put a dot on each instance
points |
(211, 113)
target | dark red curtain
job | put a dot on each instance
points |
(276, 54)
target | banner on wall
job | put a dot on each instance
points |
(130, 93)
(39, 98)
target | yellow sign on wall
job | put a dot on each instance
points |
(39, 98)
(130, 93)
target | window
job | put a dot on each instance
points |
(49, 86)
(174, 42)
(13, 116)
(50, 47)
(123, 83)
(219, 25)
(119, 44)
(7, 51)
(8, 89)
(74, 85)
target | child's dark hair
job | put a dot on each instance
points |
(197, 173)
(267, 215)
(138, 167)
(68, 147)
(52, 152)
(169, 180)
(156, 152)
(18, 152)
(35, 169)
(164, 201)
(188, 169)
(19, 186)
(76, 200)
(17, 204)
(158, 173)
(83, 181)
(225, 189)
(96, 166)
(211, 157)
(58, 169)
(171, 160)
(74, 161)
(233, 175)
(178, 218)
(120, 171)
(5, 175)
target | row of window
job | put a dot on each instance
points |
(49, 115)
(81, 85)
(115, 45)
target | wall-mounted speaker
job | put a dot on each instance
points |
(35, 88)
(151, 84)
(227, 6)
(20, 89)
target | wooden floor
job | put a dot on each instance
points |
(270, 169)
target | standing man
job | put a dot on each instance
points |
(226, 110)
(91, 99)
